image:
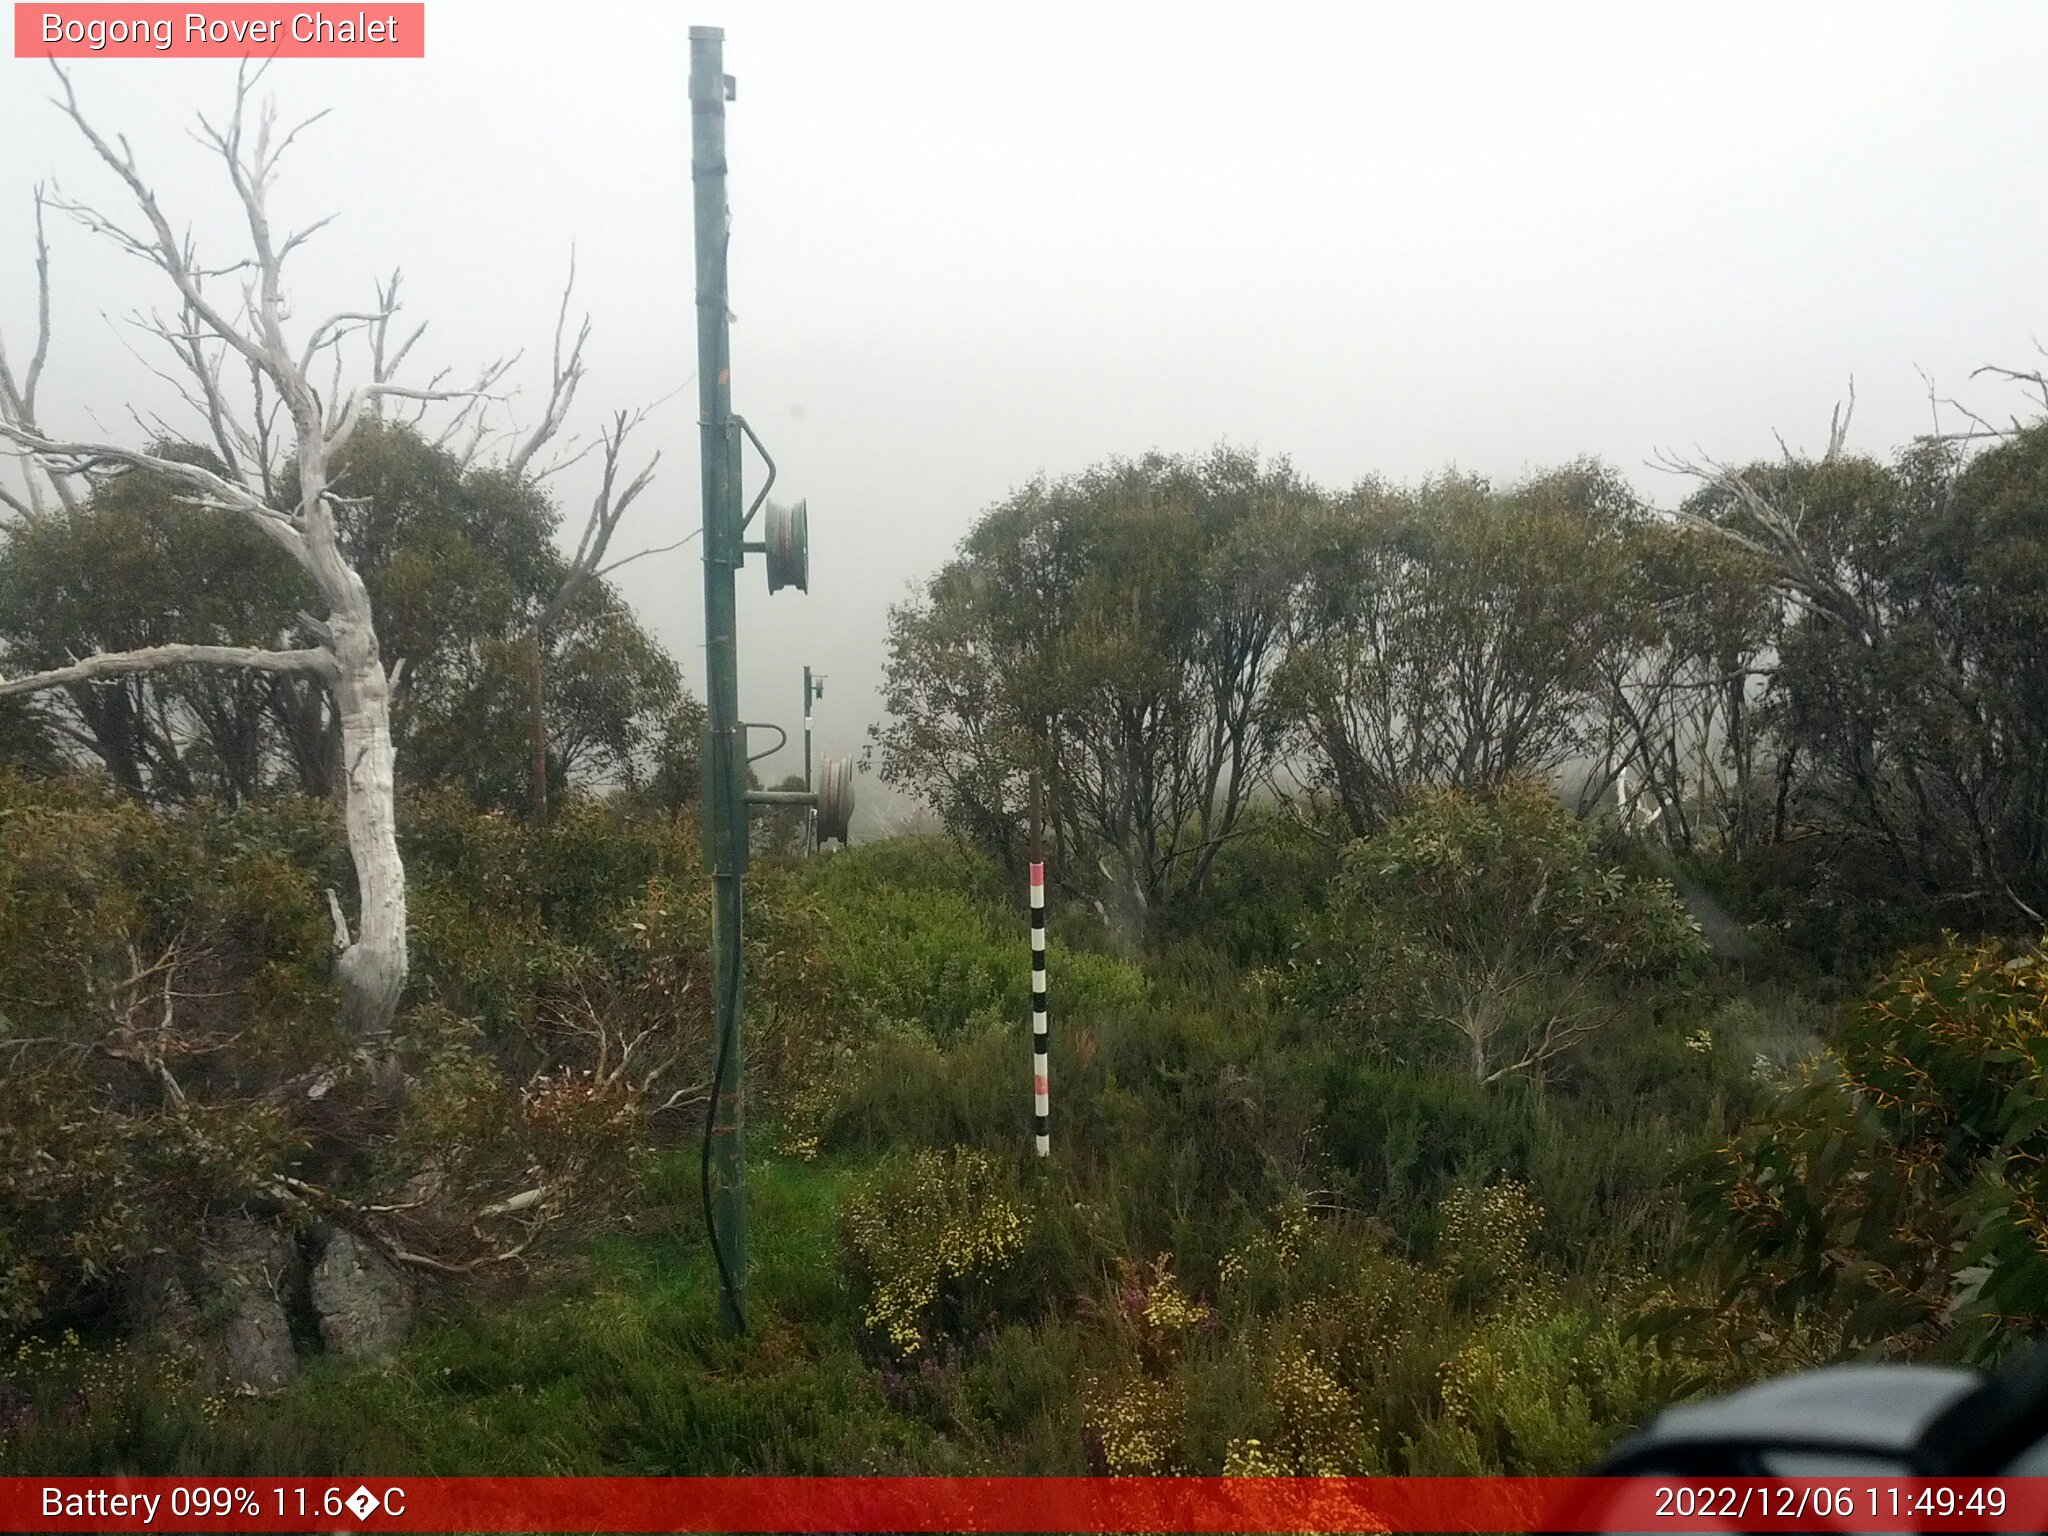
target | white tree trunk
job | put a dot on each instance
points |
(373, 967)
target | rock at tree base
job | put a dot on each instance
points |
(363, 1303)
(225, 1305)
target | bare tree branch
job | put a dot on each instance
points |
(18, 398)
(336, 328)
(351, 415)
(563, 380)
(1838, 425)
(164, 250)
(342, 938)
(607, 509)
(208, 488)
(203, 332)
(382, 367)
(27, 396)
(2032, 377)
(659, 549)
(1772, 531)
(156, 657)
(373, 966)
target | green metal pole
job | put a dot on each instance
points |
(724, 767)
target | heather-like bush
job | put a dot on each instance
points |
(915, 934)
(923, 1227)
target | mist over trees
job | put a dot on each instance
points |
(1454, 637)
(273, 464)
(1836, 655)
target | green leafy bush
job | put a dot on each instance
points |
(1488, 931)
(170, 1039)
(1265, 887)
(1896, 1192)
(1539, 1390)
(913, 935)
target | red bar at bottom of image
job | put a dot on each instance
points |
(1024, 1504)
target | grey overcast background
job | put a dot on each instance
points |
(974, 243)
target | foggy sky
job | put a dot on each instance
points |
(972, 245)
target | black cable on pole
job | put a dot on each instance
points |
(725, 1279)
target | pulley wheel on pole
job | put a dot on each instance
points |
(835, 799)
(788, 541)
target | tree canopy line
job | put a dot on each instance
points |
(273, 450)
(1831, 664)
(1836, 655)
(460, 566)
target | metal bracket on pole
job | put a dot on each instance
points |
(832, 799)
(782, 738)
(814, 689)
(762, 494)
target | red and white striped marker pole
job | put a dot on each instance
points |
(1041, 1039)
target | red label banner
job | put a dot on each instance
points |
(375, 31)
(1023, 1504)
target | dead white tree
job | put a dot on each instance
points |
(283, 419)
(1773, 529)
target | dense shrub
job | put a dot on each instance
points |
(1827, 910)
(915, 934)
(917, 1008)
(1325, 1351)
(1894, 1196)
(162, 991)
(172, 1049)
(1488, 931)
(1280, 1232)
(1265, 887)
